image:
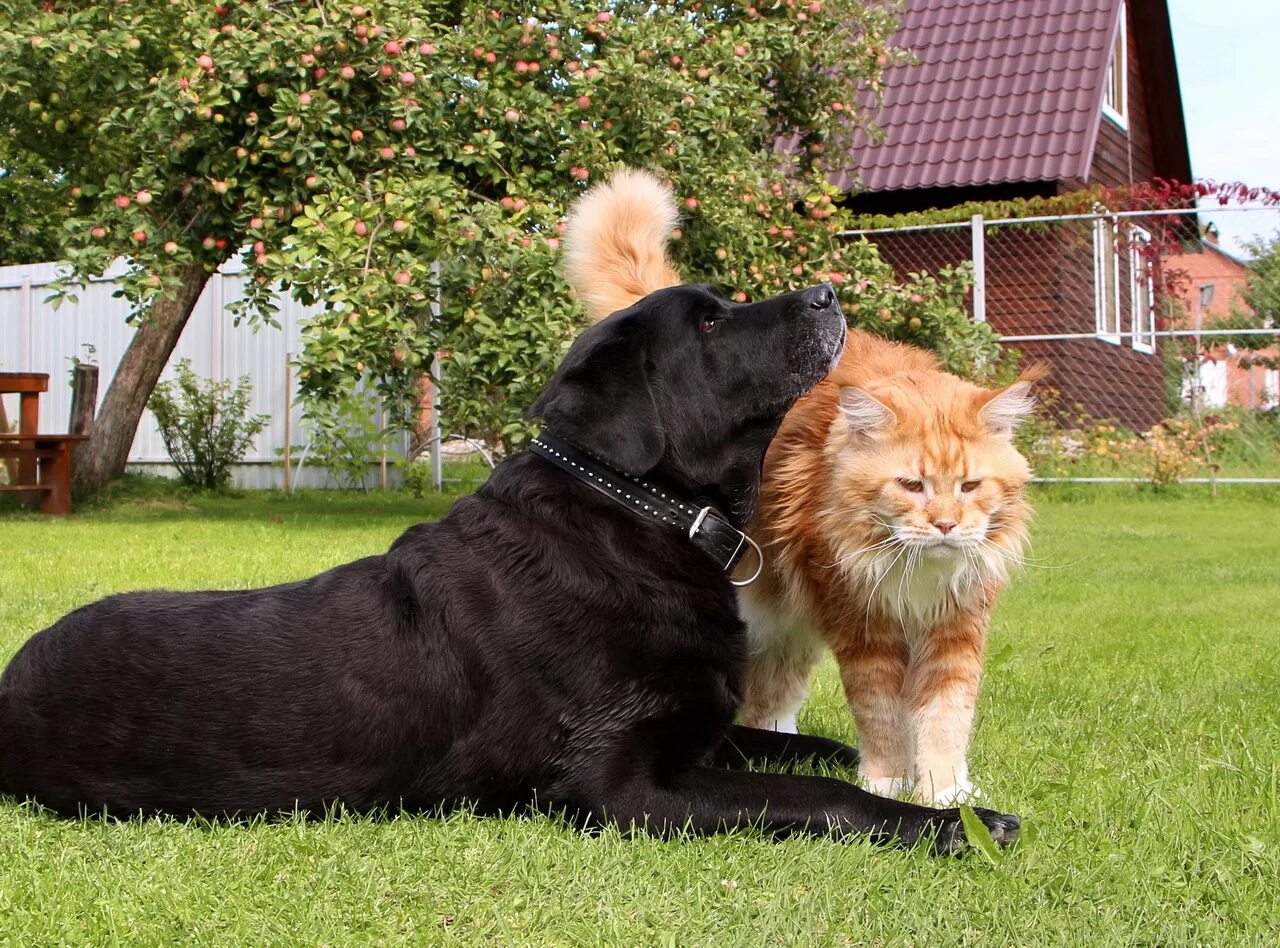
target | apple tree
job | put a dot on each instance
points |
(31, 209)
(408, 164)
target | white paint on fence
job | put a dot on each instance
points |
(36, 337)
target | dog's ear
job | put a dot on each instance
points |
(601, 398)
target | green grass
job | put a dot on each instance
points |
(1131, 714)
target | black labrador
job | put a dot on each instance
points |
(542, 644)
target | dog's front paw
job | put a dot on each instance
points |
(946, 830)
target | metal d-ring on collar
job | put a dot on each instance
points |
(709, 531)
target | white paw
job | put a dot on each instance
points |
(889, 786)
(786, 725)
(962, 791)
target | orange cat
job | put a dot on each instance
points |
(891, 510)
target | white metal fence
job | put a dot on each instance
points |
(1111, 300)
(36, 337)
(1119, 304)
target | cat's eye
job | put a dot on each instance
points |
(968, 487)
(907, 483)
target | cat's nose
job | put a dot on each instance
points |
(945, 526)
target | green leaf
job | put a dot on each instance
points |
(979, 836)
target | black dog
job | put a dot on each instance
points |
(540, 643)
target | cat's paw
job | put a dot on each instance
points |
(946, 831)
(888, 786)
(962, 791)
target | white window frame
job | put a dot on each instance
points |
(1104, 256)
(1142, 278)
(1270, 388)
(1118, 74)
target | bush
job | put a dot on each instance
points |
(1070, 443)
(1248, 440)
(347, 436)
(205, 429)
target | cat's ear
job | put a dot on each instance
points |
(863, 412)
(1009, 408)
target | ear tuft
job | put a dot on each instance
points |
(863, 412)
(1009, 408)
(616, 242)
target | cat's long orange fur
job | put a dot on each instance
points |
(856, 557)
(866, 473)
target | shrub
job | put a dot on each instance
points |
(347, 434)
(1247, 439)
(206, 427)
(1177, 448)
(1061, 443)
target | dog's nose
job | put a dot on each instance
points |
(820, 297)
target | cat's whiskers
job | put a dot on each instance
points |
(1013, 556)
(982, 564)
(878, 546)
(871, 596)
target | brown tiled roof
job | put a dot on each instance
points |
(1001, 91)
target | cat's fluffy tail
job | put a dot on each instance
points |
(616, 242)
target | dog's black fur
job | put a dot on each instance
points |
(539, 644)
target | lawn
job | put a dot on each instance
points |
(1131, 714)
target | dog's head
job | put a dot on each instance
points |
(690, 386)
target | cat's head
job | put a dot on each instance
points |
(929, 462)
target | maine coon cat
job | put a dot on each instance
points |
(891, 511)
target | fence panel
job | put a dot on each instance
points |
(1128, 309)
(36, 337)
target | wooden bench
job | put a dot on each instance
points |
(43, 460)
(44, 463)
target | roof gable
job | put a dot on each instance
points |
(1002, 91)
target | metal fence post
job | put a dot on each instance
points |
(28, 326)
(288, 422)
(437, 459)
(979, 269)
(216, 294)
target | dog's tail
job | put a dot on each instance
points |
(616, 242)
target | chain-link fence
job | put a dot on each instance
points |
(1163, 342)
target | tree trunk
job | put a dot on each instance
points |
(105, 454)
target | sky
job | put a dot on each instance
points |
(1228, 54)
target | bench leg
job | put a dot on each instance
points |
(56, 472)
(28, 423)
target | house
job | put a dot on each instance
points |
(1035, 98)
(1210, 283)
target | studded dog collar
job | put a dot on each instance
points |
(705, 528)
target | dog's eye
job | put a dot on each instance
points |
(708, 324)
(968, 487)
(908, 484)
